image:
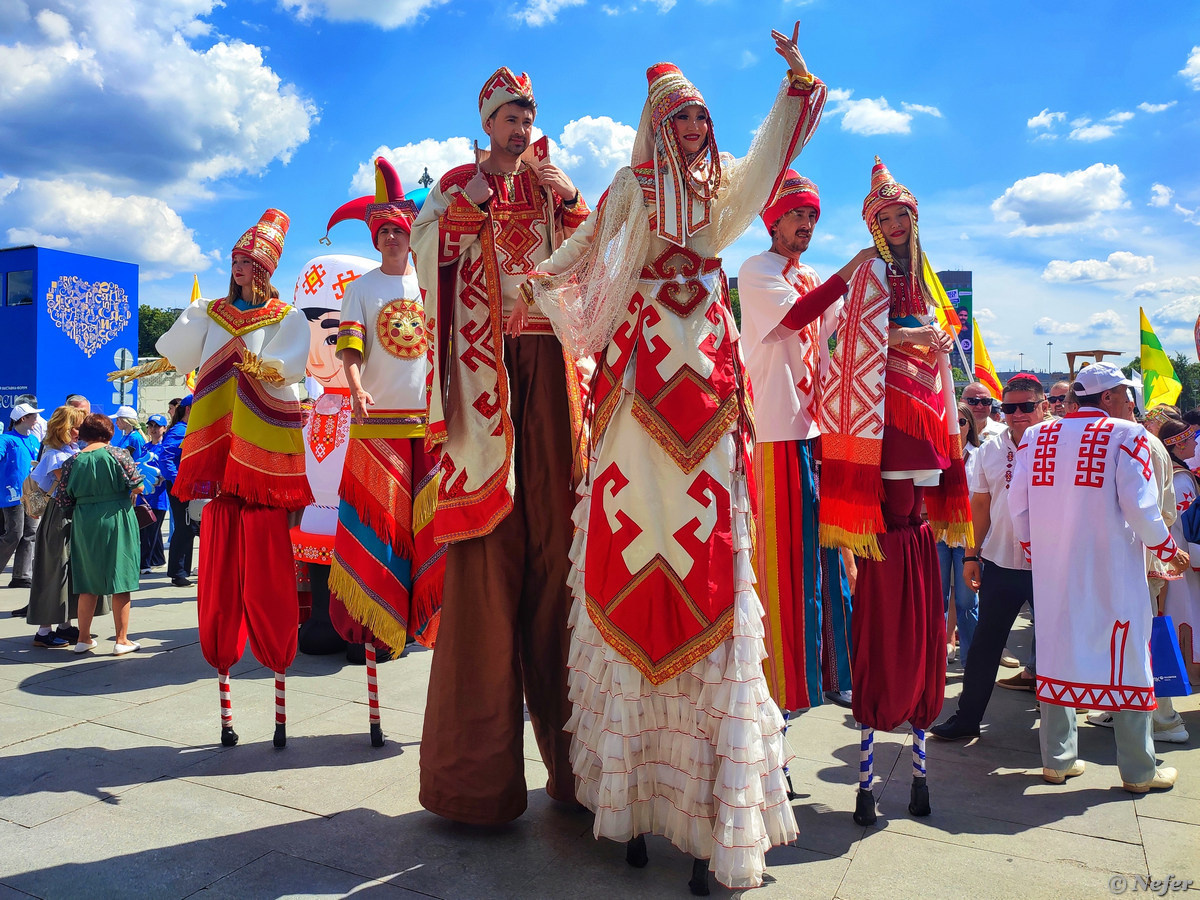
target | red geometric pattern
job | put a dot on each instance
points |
(518, 220)
(1165, 551)
(314, 279)
(343, 279)
(1093, 451)
(1043, 456)
(1141, 453)
(1094, 696)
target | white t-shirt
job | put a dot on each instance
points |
(990, 472)
(383, 317)
(785, 367)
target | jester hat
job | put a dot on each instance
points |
(503, 87)
(795, 191)
(388, 206)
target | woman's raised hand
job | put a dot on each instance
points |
(786, 47)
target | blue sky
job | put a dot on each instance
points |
(1051, 145)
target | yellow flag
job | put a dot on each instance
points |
(1159, 383)
(195, 288)
(985, 372)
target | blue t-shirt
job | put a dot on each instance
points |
(133, 442)
(17, 456)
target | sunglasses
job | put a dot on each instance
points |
(1057, 398)
(962, 422)
(1026, 407)
(977, 401)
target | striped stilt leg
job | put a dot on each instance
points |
(918, 798)
(280, 712)
(228, 735)
(864, 801)
(373, 696)
(791, 794)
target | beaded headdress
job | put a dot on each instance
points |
(910, 294)
(794, 192)
(263, 245)
(503, 87)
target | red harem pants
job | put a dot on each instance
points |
(504, 620)
(898, 625)
(247, 584)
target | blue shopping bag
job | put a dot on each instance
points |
(1166, 659)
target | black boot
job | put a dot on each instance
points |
(377, 735)
(229, 737)
(918, 797)
(280, 739)
(699, 880)
(791, 794)
(635, 852)
(864, 808)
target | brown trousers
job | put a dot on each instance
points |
(504, 620)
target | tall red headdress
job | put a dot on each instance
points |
(503, 87)
(794, 192)
(263, 245)
(387, 206)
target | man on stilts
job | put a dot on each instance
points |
(387, 571)
(244, 451)
(504, 417)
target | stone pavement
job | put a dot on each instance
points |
(112, 783)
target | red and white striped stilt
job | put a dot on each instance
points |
(373, 696)
(280, 712)
(228, 735)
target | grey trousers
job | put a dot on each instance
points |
(1059, 737)
(19, 533)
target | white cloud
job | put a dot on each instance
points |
(1181, 285)
(1053, 203)
(983, 314)
(1191, 71)
(919, 108)
(1179, 313)
(186, 115)
(387, 14)
(1119, 118)
(1156, 107)
(867, 116)
(589, 149)
(664, 5)
(1047, 325)
(1109, 320)
(1121, 264)
(1189, 215)
(1160, 195)
(64, 214)
(748, 59)
(1085, 131)
(541, 12)
(1045, 119)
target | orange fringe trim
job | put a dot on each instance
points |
(368, 502)
(949, 505)
(914, 418)
(852, 500)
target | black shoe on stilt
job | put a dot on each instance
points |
(377, 735)
(918, 797)
(635, 852)
(698, 884)
(280, 739)
(864, 808)
(229, 737)
(791, 794)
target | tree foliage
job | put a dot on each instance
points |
(153, 324)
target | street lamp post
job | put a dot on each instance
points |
(1049, 348)
(1021, 367)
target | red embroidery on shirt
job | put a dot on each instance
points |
(1165, 551)
(1141, 452)
(1043, 455)
(1116, 671)
(1093, 450)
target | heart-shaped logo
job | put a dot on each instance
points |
(90, 313)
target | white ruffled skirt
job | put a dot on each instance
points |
(698, 759)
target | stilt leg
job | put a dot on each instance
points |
(918, 798)
(373, 696)
(864, 802)
(280, 712)
(635, 852)
(698, 884)
(791, 794)
(228, 736)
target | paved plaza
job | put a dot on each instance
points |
(113, 784)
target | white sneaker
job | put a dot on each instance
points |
(1103, 719)
(1171, 733)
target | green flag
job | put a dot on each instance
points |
(1158, 375)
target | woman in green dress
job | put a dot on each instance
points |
(99, 484)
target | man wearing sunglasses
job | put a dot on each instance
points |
(996, 565)
(1057, 398)
(979, 399)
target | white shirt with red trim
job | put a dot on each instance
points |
(785, 367)
(1083, 502)
(990, 472)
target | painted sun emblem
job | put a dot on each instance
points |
(401, 328)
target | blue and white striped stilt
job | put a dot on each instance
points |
(918, 753)
(918, 798)
(866, 758)
(787, 776)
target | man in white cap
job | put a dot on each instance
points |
(1087, 481)
(505, 419)
(127, 434)
(18, 452)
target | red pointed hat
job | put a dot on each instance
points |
(670, 91)
(264, 242)
(794, 192)
(503, 87)
(387, 206)
(886, 191)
